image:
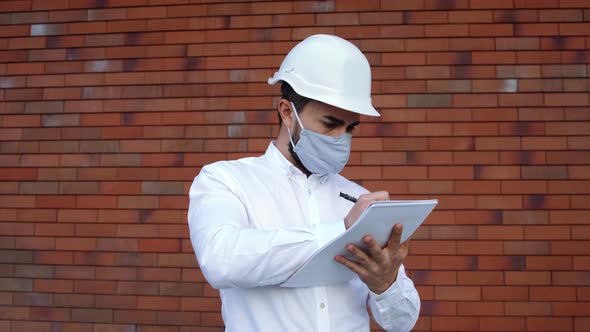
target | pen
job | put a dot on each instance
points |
(347, 197)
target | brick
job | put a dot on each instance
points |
(95, 286)
(499, 143)
(159, 274)
(446, 114)
(490, 30)
(90, 201)
(547, 232)
(440, 44)
(581, 263)
(570, 157)
(16, 285)
(116, 302)
(451, 143)
(36, 243)
(578, 172)
(453, 262)
(544, 143)
(52, 257)
(78, 215)
(553, 324)
(544, 172)
(158, 303)
(200, 304)
(479, 248)
(569, 308)
(528, 308)
(512, 16)
(517, 43)
(506, 293)
(527, 248)
(572, 29)
(479, 46)
(30, 326)
(522, 157)
(448, 232)
(32, 299)
(579, 187)
(170, 317)
(429, 129)
(527, 278)
(92, 315)
(497, 172)
(569, 99)
(135, 316)
(75, 244)
(54, 314)
(570, 278)
(109, 244)
(449, 323)
(502, 323)
(475, 100)
(478, 187)
(568, 248)
(448, 86)
(405, 58)
(497, 232)
(545, 263)
(176, 260)
(480, 278)
(552, 293)
(51, 285)
(16, 313)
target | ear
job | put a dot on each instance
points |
(284, 109)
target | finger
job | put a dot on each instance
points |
(374, 250)
(361, 256)
(374, 196)
(404, 248)
(381, 195)
(353, 266)
(406, 244)
(395, 237)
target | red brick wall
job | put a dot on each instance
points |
(109, 108)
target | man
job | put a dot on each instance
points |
(255, 221)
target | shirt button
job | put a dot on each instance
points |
(322, 305)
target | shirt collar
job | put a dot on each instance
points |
(276, 158)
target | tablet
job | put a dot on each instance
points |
(377, 220)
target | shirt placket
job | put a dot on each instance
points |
(321, 298)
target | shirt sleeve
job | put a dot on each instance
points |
(232, 254)
(398, 307)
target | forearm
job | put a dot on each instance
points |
(397, 309)
(231, 256)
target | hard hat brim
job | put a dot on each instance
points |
(356, 105)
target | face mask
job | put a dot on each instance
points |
(321, 154)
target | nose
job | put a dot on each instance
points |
(341, 130)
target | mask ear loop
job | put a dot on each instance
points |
(296, 115)
(298, 120)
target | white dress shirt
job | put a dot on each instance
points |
(254, 221)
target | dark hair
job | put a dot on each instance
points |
(289, 94)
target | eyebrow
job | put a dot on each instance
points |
(340, 122)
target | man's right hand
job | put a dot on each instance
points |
(361, 204)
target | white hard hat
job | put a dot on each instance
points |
(331, 70)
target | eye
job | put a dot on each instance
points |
(330, 125)
(350, 129)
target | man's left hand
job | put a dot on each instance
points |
(378, 267)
